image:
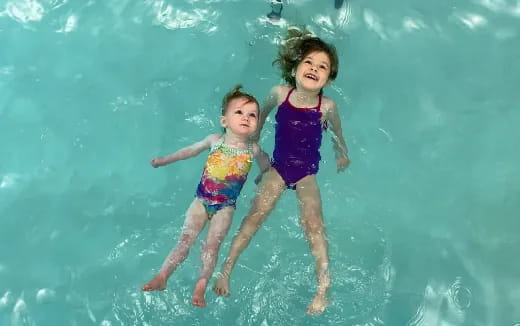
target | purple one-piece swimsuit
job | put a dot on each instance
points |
(297, 141)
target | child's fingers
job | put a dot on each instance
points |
(258, 179)
(342, 167)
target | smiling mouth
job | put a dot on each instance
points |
(311, 76)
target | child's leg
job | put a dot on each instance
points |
(268, 193)
(311, 219)
(196, 218)
(218, 229)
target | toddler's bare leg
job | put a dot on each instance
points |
(311, 219)
(268, 193)
(218, 228)
(196, 218)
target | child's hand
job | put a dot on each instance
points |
(342, 163)
(258, 179)
(156, 162)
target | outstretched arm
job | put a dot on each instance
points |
(267, 106)
(186, 152)
(340, 147)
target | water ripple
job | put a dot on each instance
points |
(502, 6)
(459, 295)
(25, 11)
(171, 18)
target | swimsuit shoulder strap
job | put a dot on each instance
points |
(289, 94)
(220, 145)
(217, 145)
(319, 101)
(250, 148)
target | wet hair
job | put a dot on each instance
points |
(234, 94)
(299, 43)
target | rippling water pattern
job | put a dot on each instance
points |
(422, 228)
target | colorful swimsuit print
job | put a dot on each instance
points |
(224, 176)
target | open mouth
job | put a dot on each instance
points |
(311, 76)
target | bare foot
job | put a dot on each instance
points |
(221, 286)
(158, 283)
(318, 305)
(198, 293)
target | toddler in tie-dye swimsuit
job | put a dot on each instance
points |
(224, 175)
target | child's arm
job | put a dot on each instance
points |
(186, 152)
(262, 159)
(340, 147)
(267, 106)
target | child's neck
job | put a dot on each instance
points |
(235, 141)
(303, 98)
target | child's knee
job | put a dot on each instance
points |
(314, 226)
(186, 238)
(248, 231)
(324, 263)
(209, 253)
(264, 206)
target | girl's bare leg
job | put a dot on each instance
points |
(311, 219)
(196, 218)
(218, 228)
(268, 193)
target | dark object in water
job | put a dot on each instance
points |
(338, 3)
(276, 10)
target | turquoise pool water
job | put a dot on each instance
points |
(423, 228)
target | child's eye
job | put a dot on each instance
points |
(238, 112)
(323, 67)
(252, 115)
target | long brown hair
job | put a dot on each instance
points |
(298, 43)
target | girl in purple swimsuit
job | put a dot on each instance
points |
(224, 174)
(308, 65)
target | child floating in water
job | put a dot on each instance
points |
(224, 174)
(308, 65)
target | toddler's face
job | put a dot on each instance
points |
(241, 117)
(312, 73)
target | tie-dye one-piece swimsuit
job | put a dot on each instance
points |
(224, 176)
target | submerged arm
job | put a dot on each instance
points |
(267, 106)
(340, 147)
(262, 159)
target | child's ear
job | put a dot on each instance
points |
(223, 121)
(293, 72)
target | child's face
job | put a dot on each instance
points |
(241, 117)
(312, 73)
